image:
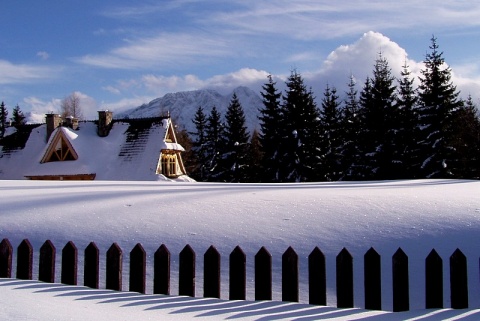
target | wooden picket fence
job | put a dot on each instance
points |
(237, 271)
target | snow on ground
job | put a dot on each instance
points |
(414, 215)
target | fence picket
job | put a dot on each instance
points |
(401, 301)
(69, 264)
(138, 268)
(372, 280)
(433, 281)
(263, 275)
(317, 278)
(186, 281)
(344, 279)
(24, 260)
(161, 271)
(91, 266)
(290, 275)
(46, 270)
(6, 253)
(458, 280)
(238, 274)
(114, 268)
(211, 273)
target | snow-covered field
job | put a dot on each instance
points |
(414, 215)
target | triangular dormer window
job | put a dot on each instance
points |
(59, 150)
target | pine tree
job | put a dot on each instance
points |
(300, 140)
(199, 146)
(18, 118)
(380, 123)
(270, 136)
(350, 124)
(236, 143)
(407, 151)
(3, 119)
(439, 104)
(254, 159)
(466, 141)
(363, 169)
(215, 144)
(331, 141)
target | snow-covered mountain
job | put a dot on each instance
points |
(183, 105)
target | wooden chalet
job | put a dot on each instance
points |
(106, 149)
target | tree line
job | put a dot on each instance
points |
(387, 130)
(17, 119)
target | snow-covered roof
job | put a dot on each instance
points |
(128, 153)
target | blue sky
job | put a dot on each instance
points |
(120, 54)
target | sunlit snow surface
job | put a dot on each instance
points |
(414, 215)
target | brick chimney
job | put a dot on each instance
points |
(53, 121)
(105, 118)
(71, 122)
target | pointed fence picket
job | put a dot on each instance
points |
(237, 273)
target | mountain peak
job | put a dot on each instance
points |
(183, 105)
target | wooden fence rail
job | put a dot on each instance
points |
(237, 273)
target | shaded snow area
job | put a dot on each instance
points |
(414, 215)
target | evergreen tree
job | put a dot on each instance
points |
(350, 129)
(236, 143)
(270, 136)
(199, 146)
(300, 138)
(439, 104)
(362, 169)
(215, 144)
(407, 143)
(255, 156)
(331, 141)
(466, 141)
(3, 119)
(18, 118)
(380, 123)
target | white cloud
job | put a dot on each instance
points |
(126, 103)
(305, 19)
(112, 90)
(359, 59)
(43, 55)
(165, 49)
(244, 77)
(38, 107)
(23, 73)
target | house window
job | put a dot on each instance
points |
(169, 165)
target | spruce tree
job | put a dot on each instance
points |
(330, 137)
(300, 141)
(236, 143)
(18, 118)
(366, 136)
(466, 141)
(407, 151)
(439, 104)
(380, 122)
(3, 119)
(199, 146)
(270, 136)
(350, 124)
(254, 159)
(215, 141)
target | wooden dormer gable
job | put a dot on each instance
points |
(170, 134)
(60, 149)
